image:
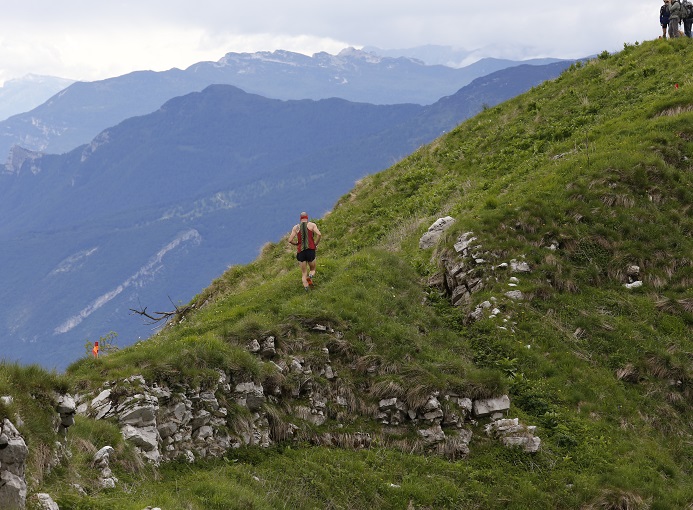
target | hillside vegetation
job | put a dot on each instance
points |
(582, 178)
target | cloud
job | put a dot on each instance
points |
(78, 39)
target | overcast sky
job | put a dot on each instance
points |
(90, 40)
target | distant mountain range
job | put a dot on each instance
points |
(77, 114)
(161, 204)
(23, 94)
(432, 54)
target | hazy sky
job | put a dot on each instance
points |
(89, 40)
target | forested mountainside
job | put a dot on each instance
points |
(532, 350)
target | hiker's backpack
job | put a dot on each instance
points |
(664, 14)
(686, 9)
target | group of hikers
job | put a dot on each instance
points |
(672, 14)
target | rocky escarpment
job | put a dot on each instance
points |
(190, 423)
(468, 268)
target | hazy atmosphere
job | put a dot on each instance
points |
(84, 41)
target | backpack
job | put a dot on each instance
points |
(686, 9)
(304, 236)
(664, 14)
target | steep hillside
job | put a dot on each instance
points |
(151, 207)
(570, 266)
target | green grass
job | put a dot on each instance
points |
(596, 163)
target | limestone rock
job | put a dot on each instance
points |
(514, 434)
(519, 267)
(432, 435)
(13, 454)
(491, 406)
(430, 238)
(45, 502)
(515, 295)
(464, 242)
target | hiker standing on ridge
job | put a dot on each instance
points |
(664, 18)
(675, 16)
(687, 13)
(307, 236)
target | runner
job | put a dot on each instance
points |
(307, 237)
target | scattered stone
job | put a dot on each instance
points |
(515, 295)
(519, 267)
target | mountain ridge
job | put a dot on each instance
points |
(555, 203)
(77, 114)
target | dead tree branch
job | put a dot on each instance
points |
(157, 317)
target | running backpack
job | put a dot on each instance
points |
(305, 244)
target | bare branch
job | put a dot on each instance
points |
(156, 317)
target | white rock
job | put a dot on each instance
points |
(489, 406)
(46, 502)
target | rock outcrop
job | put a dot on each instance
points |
(512, 433)
(66, 409)
(431, 237)
(13, 454)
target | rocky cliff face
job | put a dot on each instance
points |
(191, 423)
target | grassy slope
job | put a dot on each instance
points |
(597, 162)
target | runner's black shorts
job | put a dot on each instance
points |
(306, 256)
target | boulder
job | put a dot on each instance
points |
(145, 438)
(430, 238)
(491, 406)
(432, 435)
(514, 434)
(45, 502)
